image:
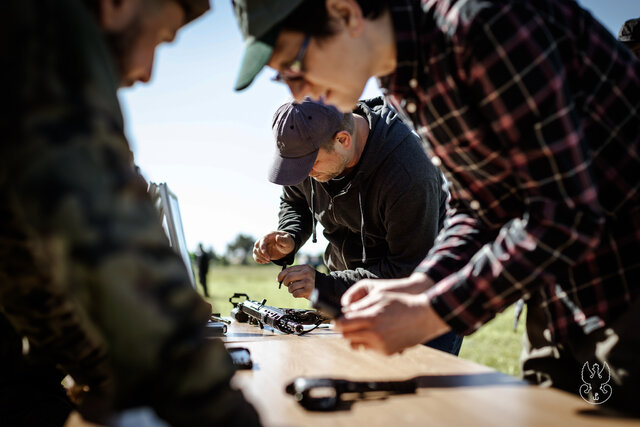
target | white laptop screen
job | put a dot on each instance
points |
(167, 203)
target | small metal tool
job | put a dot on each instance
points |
(280, 282)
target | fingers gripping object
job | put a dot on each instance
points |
(284, 266)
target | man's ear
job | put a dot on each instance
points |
(116, 15)
(344, 138)
(347, 13)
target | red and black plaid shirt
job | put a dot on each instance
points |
(532, 110)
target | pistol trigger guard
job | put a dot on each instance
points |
(238, 295)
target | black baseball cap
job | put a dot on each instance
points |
(259, 22)
(300, 129)
(630, 31)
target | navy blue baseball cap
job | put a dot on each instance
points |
(300, 129)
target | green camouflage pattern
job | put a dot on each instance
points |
(86, 271)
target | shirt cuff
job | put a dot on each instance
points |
(428, 267)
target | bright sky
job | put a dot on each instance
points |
(213, 146)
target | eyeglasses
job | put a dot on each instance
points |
(294, 70)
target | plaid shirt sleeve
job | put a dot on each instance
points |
(512, 71)
(460, 238)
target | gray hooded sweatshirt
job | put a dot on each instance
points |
(380, 220)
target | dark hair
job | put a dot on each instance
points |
(347, 125)
(94, 6)
(311, 17)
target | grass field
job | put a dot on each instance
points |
(495, 344)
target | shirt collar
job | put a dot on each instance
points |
(405, 15)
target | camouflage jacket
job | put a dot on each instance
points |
(86, 272)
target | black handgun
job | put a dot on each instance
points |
(215, 329)
(327, 394)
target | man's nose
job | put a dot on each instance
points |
(140, 75)
(302, 88)
(146, 71)
(298, 89)
(145, 76)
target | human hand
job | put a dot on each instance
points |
(390, 322)
(417, 283)
(273, 246)
(299, 279)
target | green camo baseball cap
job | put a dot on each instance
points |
(259, 23)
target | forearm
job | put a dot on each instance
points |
(525, 256)
(335, 284)
(486, 271)
(294, 218)
(461, 237)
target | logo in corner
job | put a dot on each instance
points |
(595, 388)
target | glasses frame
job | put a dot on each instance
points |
(295, 70)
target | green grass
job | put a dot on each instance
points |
(256, 281)
(495, 344)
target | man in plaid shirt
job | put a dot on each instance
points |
(532, 110)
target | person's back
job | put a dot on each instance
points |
(367, 236)
(365, 178)
(86, 273)
(583, 102)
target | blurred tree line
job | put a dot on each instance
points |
(240, 252)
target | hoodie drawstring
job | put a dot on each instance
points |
(313, 215)
(362, 229)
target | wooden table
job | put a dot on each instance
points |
(452, 391)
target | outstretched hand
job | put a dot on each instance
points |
(273, 246)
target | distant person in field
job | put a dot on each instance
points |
(366, 179)
(203, 258)
(630, 35)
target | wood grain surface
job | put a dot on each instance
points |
(451, 391)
